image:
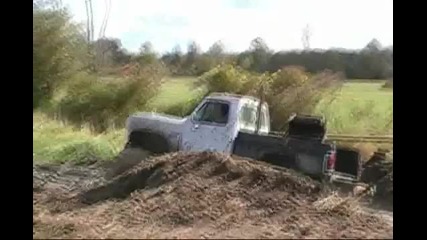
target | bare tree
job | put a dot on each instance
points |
(89, 22)
(306, 36)
(105, 20)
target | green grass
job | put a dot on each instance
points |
(54, 142)
(360, 107)
(174, 91)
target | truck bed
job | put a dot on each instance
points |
(302, 154)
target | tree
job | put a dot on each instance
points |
(306, 37)
(59, 51)
(193, 52)
(215, 55)
(146, 48)
(216, 50)
(373, 46)
(373, 62)
(173, 60)
(258, 44)
(146, 55)
(177, 56)
(260, 54)
(109, 52)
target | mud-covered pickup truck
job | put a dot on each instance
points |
(233, 124)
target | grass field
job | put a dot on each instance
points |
(53, 142)
(175, 91)
(360, 107)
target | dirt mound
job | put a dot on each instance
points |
(377, 167)
(379, 171)
(207, 195)
(384, 192)
(126, 160)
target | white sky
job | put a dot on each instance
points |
(333, 23)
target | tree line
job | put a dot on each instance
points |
(372, 62)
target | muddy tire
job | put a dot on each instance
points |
(128, 158)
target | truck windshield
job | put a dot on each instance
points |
(213, 112)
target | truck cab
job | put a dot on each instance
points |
(218, 119)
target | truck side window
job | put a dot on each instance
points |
(214, 112)
(264, 120)
(247, 118)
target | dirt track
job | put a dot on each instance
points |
(185, 195)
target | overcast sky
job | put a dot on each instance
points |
(333, 23)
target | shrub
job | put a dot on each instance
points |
(388, 84)
(292, 90)
(288, 78)
(224, 78)
(103, 104)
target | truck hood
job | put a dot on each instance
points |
(160, 123)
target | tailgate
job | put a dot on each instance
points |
(347, 166)
(349, 162)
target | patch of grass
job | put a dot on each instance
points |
(175, 91)
(359, 108)
(55, 142)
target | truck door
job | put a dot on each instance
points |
(210, 128)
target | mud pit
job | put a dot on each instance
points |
(184, 195)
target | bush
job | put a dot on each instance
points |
(388, 84)
(225, 78)
(288, 78)
(292, 90)
(103, 104)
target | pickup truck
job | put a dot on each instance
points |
(240, 125)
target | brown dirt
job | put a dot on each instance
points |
(187, 195)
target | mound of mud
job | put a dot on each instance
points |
(379, 171)
(206, 195)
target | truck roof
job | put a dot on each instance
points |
(230, 96)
